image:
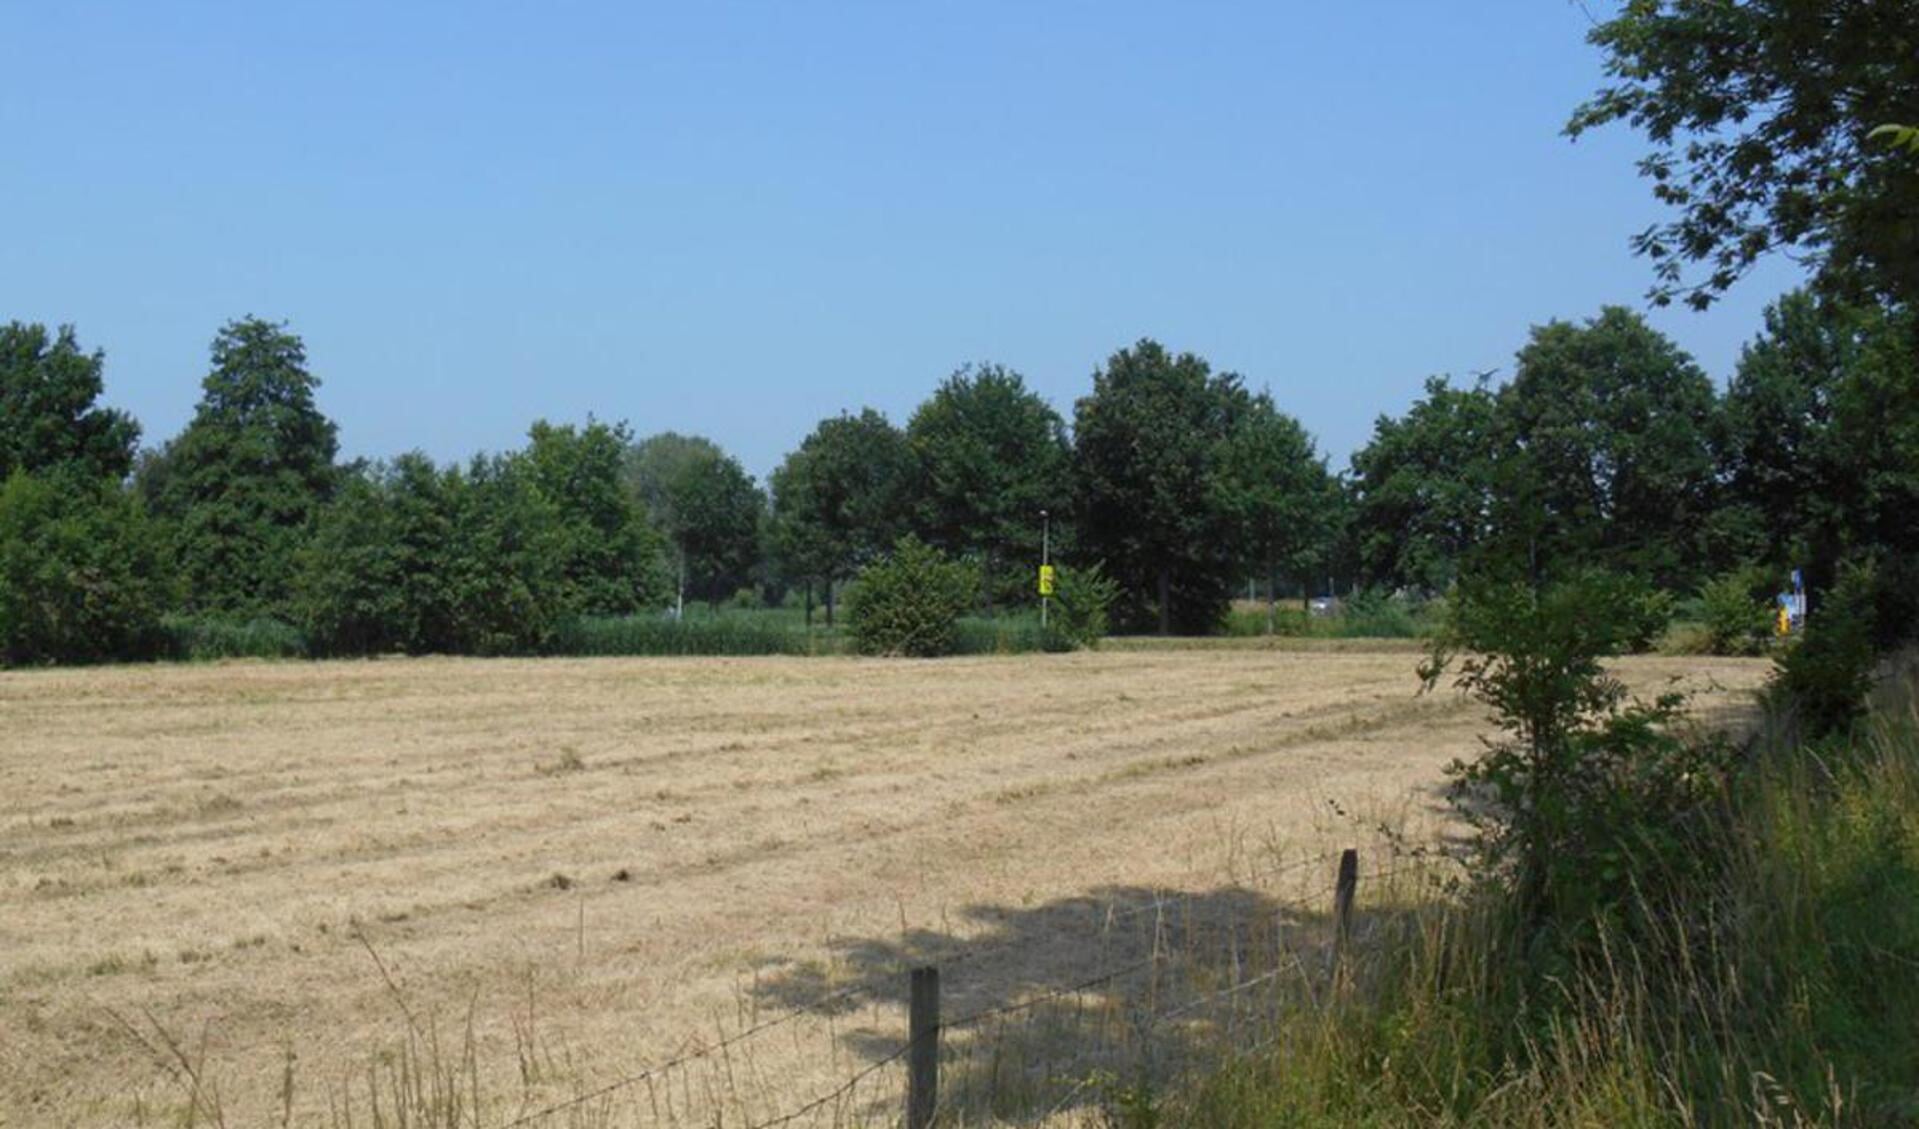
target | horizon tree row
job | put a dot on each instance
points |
(1609, 447)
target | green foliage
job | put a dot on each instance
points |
(842, 498)
(991, 456)
(722, 633)
(206, 638)
(1603, 454)
(1736, 609)
(246, 476)
(1819, 433)
(507, 589)
(1760, 117)
(1591, 795)
(1823, 678)
(1271, 488)
(48, 418)
(1082, 600)
(607, 557)
(81, 572)
(705, 505)
(1147, 447)
(1423, 488)
(909, 603)
(1775, 992)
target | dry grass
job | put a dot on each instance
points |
(241, 892)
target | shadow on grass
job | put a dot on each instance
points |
(1067, 1005)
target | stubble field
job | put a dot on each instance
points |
(239, 893)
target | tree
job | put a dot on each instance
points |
(48, 417)
(507, 586)
(375, 574)
(1422, 488)
(705, 505)
(1761, 117)
(842, 498)
(247, 474)
(1604, 454)
(608, 557)
(82, 574)
(716, 526)
(992, 455)
(1146, 444)
(1273, 490)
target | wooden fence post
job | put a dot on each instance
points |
(923, 1057)
(1343, 892)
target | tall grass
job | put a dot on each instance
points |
(211, 637)
(719, 633)
(1783, 992)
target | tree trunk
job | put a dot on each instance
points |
(809, 605)
(829, 601)
(1165, 601)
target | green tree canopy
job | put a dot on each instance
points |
(1272, 488)
(1423, 488)
(246, 475)
(48, 414)
(609, 558)
(1760, 116)
(842, 498)
(705, 505)
(82, 573)
(992, 454)
(1146, 447)
(1605, 459)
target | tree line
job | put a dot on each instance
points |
(1608, 447)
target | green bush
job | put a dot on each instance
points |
(212, 637)
(80, 572)
(1589, 800)
(910, 603)
(1736, 611)
(1082, 599)
(1823, 677)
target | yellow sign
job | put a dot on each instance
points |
(1046, 575)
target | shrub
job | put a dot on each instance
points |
(80, 570)
(1591, 798)
(1082, 599)
(1823, 678)
(1736, 611)
(910, 603)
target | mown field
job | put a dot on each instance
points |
(232, 891)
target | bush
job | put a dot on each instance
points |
(1736, 611)
(1591, 798)
(80, 570)
(1082, 599)
(910, 603)
(1823, 678)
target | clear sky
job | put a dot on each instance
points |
(734, 219)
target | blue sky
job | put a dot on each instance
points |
(734, 219)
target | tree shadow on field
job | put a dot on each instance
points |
(1058, 1006)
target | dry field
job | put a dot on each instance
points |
(229, 892)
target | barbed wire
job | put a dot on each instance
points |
(963, 954)
(680, 1060)
(841, 1091)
